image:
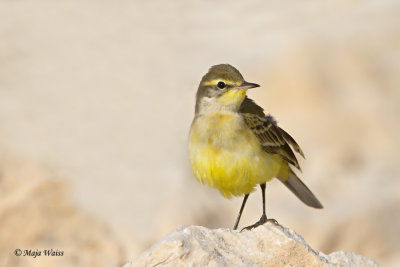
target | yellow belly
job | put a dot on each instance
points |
(226, 155)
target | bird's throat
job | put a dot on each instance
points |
(232, 99)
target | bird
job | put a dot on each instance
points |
(234, 146)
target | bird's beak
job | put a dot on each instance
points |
(245, 85)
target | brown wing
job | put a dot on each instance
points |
(272, 138)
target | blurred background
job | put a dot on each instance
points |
(97, 97)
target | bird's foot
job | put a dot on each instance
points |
(262, 220)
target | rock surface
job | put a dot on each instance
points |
(267, 245)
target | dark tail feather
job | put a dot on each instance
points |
(301, 191)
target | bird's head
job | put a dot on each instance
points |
(222, 88)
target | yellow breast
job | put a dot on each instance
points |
(226, 155)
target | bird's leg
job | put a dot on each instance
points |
(240, 212)
(263, 218)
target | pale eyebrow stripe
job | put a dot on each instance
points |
(215, 81)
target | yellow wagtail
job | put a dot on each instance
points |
(233, 145)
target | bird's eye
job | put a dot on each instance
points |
(221, 85)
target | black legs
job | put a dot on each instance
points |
(240, 212)
(263, 218)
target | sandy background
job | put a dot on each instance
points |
(96, 99)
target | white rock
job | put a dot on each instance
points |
(267, 245)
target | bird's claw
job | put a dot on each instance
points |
(262, 220)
